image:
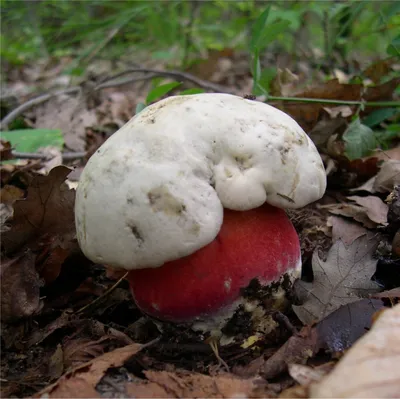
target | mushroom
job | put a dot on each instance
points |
(189, 196)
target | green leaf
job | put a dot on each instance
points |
(378, 116)
(264, 81)
(394, 47)
(139, 107)
(258, 28)
(163, 55)
(359, 140)
(393, 10)
(30, 140)
(160, 91)
(256, 72)
(191, 91)
(271, 32)
(386, 137)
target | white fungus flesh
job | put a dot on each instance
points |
(156, 189)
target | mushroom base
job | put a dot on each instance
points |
(251, 314)
(249, 318)
(257, 249)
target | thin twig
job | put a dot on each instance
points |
(124, 81)
(101, 297)
(178, 75)
(66, 156)
(336, 102)
(32, 103)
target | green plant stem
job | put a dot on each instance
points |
(336, 102)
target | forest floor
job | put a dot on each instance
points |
(70, 327)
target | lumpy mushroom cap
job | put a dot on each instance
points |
(156, 189)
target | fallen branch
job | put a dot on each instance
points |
(177, 75)
(66, 156)
(107, 84)
(14, 114)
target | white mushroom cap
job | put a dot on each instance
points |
(156, 189)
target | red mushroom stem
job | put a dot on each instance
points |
(258, 244)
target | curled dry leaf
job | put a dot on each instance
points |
(371, 211)
(297, 349)
(325, 129)
(20, 288)
(343, 278)
(375, 208)
(372, 362)
(387, 177)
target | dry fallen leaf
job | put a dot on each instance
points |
(372, 364)
(117, 109)
(345, 230)
(343, 278)
(185, 384)
(82, 350)
(47, 210)
(5, 150)
(393, 294)
(69, 114)
(385, 155)
(387, 177)
(338, 331)
(375, 208)
(20, 288)
(342, 110)
(81, 381)
(56, 363)
(371, 211)
(305, 375)
(324, 129)
(53, 159)
(8, 195)
(307, 115)
(297, 349)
